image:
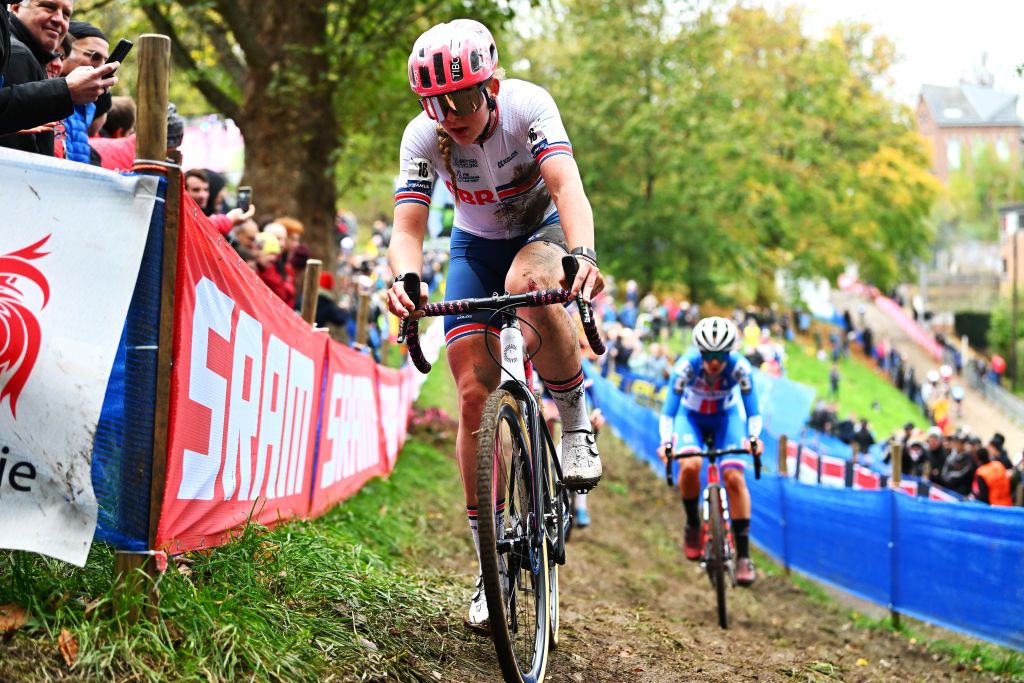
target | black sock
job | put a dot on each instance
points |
(692, 516)
(741, 532)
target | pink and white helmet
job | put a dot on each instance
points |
(452, 56)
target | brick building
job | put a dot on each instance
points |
(957, 120)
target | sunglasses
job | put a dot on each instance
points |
(461, 102)
(714, 355)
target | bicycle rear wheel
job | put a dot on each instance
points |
(716, 562)
(513, 551)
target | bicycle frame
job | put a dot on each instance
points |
(715, 482)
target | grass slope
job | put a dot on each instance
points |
(345, 597)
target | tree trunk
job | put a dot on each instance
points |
(289, 126)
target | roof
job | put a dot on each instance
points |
(970, 105)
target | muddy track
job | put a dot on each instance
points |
(634, 610)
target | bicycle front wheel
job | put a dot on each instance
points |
(716, 562)
(513, 551)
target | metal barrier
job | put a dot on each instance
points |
(1011, 405)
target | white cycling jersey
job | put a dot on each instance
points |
(501, 192)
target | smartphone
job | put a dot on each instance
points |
(124, 46)
(244, 197)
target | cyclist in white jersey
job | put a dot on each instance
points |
(501, 149)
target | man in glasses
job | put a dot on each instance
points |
(702, 399)
(90, 48)
(501, 150)
(27, 98)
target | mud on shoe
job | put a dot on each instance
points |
(478, 619)
(691, 542)
(581, 463)
(746, 573)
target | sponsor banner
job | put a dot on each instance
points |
(352, 439)
(807, 471)
(66, 280)
(397, 390)
(866, 479)
(833, 471)
(245, 398)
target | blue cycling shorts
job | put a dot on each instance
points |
(477, 268)
(728, 430)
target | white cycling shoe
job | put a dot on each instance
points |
(581, 463)
(478, 619)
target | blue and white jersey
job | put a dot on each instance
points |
(501, 192)
(691, 389)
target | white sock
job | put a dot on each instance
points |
(581, 501)
(474, 528)
(572, 405)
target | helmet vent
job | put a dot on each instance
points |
(439, 68)
(474, 61)
(424, 77)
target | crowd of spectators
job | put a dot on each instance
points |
(941, 450)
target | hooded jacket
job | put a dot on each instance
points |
(27, 98)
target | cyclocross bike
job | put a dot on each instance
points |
(716, 530)
(519, 482)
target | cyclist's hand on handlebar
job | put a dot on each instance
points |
(663, 451)
(589, 280)
(756, 446)
(399, 302)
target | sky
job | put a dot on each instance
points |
(938, 40)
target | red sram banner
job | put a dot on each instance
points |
(245, 398)
(351, 434)
(396, 397)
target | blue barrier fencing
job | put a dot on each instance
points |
(123, 447)
(957, 566)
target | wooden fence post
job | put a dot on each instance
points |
(310, 285)
(362, 324)
(151, 145)
(894, 483)
(784, 473)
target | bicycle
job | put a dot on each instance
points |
(519, 483)
(716, 529)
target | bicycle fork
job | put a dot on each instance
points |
(727, 551)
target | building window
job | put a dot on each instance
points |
(953, 154)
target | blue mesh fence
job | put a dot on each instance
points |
(957, 565)
(123, 448)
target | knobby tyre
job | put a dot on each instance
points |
(716, 566)
(555, 503)
(513, 550)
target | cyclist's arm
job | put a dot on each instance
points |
(562, 178)
(671, 406)
(405, 252)
(752, 407)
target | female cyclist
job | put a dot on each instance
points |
(701, 399)
(501, 149)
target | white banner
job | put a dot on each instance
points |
(71, 240)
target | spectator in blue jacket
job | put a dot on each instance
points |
(90, 48)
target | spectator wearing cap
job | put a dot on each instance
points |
(958, 471)
(175, 128)
(267, 268)
(997, 452)
(89, 49)
(991, 483)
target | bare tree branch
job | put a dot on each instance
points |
(215, 95)
(234, 67)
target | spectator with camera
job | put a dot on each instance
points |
(30, 104)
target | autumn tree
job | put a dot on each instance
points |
(317, 88)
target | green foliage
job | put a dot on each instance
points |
(720, 145)
(971, 207)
